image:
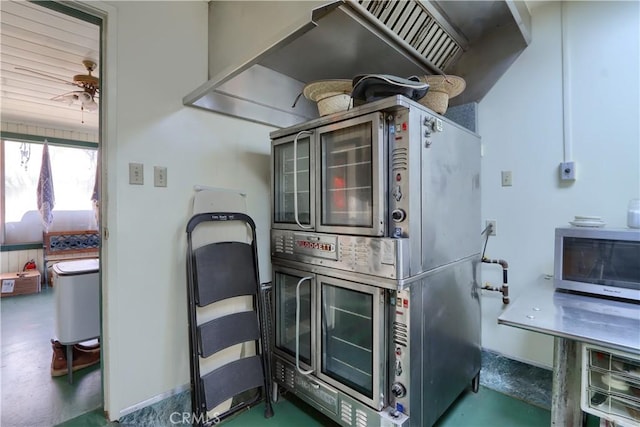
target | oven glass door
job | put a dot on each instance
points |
(293, 180)
(352, 346)
(351, 196)
(294, 298)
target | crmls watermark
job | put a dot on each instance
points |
(189, 418)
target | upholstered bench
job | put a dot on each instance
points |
(69, 245)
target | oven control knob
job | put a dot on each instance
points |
(398, 390)
(398, 215)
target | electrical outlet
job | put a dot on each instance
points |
(567, 171)
(492, 224)
(507, 179)
(160, 176)
(136, 173)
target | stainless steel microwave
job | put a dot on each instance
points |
(599, 261)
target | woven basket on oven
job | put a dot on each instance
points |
(441, 89)
(331, 96)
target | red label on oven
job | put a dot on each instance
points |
(316, 246)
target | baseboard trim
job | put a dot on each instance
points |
(153, 400)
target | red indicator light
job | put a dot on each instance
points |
(404, 126)
(405, 303)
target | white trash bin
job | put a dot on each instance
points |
(77, 295)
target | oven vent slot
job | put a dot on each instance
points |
(278, 243)
(399, 159)
(346, 412)
(417, 27)
(361, 418)
(288, 245)
(283, 244)
(400, 335)
(278, 372)
(284, 374)
(289, 378)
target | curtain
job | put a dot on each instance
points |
(46, 196)
(95, 195)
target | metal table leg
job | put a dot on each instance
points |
(70, 362)
(565, 396)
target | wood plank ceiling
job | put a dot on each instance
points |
(53, 44)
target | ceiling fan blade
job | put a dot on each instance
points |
(47, 76)
(68, 97)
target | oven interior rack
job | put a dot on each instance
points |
(217, 272)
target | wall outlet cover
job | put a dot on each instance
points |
(491, 223)
(567, 171)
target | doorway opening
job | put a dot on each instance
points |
(51, 60)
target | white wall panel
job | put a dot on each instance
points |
(521, 123)
(161, 55)
(14, 261)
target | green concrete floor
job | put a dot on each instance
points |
(31, 397)
(487, 408)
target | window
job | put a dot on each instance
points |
(74, 172)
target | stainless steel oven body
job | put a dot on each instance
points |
(388, 169)
(375, 241)
(370, 355)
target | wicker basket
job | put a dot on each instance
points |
(332, 96)
(441, 89)
(334, 102)
(436, 101)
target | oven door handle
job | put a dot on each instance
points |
(295, 178)
(302, 371)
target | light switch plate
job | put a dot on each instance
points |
(136, 174)
(160, 176)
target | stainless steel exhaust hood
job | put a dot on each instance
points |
(262, 53)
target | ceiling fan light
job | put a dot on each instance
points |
(90, 106)
(84, 97)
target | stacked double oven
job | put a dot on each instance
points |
(375, 245)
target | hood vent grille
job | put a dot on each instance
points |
(412, 23)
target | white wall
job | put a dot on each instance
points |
(160, 56)
(521, 123)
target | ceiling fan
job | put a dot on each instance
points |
(89, 84)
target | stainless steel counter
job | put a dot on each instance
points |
(572, 320)
(609, 323)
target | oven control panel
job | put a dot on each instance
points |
(399, 137)
(376, 256)
(400, 369)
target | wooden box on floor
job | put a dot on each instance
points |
(23, 283)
